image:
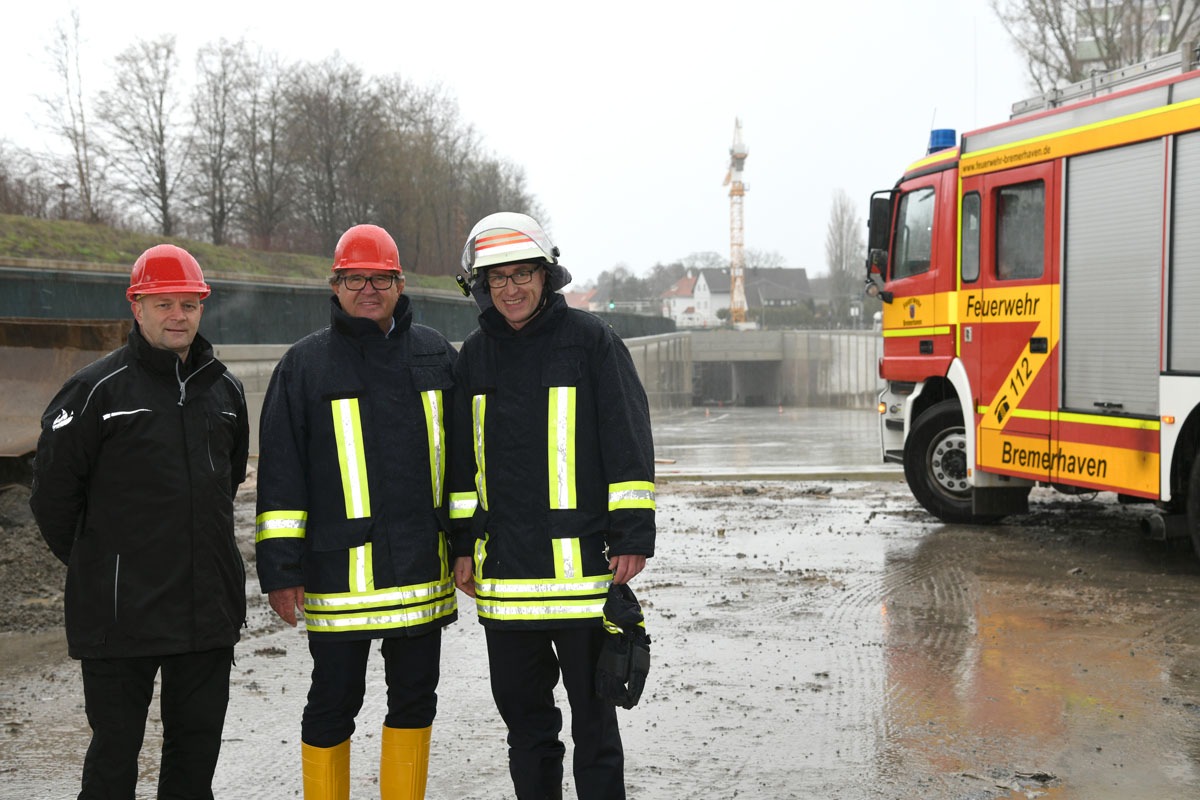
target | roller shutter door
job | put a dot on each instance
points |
(1112, 279)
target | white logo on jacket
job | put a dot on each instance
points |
(63, 419)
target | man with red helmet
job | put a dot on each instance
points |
(558, 511)
(139, 458)
(352, 514)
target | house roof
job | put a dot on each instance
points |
(763, 284)
(684, 287)
(580, 299)
(775, 283)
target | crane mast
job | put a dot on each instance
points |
(737, 259)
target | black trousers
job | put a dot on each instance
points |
(192, 700)
(524, 667)
(339, 683)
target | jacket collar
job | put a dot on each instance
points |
(360, 328)
(554, 308)
(165, 361)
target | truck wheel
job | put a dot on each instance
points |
(935, 464)
(1193, 503)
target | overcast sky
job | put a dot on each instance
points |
(621, 113)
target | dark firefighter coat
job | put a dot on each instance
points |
(137, 464)
(560, 430)
(352, 478)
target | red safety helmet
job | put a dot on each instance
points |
(166, 269)
(367, 247)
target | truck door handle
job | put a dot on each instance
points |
(1038, 344)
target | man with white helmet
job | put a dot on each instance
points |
(139, 458)
(351, 526)
(562, 505)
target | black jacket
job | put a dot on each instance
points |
(137, 465)
(352, 477)
(560, 395)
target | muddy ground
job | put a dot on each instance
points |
(816, 639)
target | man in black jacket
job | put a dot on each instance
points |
(139, 459)
(351, 526)
(562, 504)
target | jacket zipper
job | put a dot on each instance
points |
(116, 585)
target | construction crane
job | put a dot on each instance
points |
(737, 258)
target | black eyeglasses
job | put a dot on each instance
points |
(520, 278)
(381, 283)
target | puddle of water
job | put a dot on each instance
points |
(767, 441)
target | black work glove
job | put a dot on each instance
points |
(625, 658)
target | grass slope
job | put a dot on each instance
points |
(78, 242)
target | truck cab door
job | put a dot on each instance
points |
(1009, 316)
(918, 334)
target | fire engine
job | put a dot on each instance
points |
(1041, 288)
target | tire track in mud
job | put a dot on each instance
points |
(828, 573)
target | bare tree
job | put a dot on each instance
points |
(334, 138)
(433, 181)
(845, 251)
(764, 259)
(264, 164)
(706, 259)
(221, 72)
(1064, 41)
(140, 116)
(68, 114)
(24, 189)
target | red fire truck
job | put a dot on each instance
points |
(1041, 287)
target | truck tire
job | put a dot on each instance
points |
(935, 464)
(1193, 503)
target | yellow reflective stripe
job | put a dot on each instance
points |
(444, 553)
(534, 599)
(631, 494)
(347, 428)
(540, 610)
(568, 557)
(398, 607)
(478, 411)
(362, 569)
(546, 588)
(560, 438)
(395, 595)
(463, 504)
(431, 401)
(480, 557)
(279, 525)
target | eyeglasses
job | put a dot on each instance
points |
(520, 278)
(356, 283)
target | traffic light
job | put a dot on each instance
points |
(611, 305)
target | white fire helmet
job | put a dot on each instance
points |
(507, 237)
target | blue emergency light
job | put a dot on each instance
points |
(942, 139)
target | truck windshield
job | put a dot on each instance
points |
(914, 233)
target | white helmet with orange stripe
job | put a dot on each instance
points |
(507, 237)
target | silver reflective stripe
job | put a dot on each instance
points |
(380, 597)
(463, 505)
(362, 578)
(280, 525)
(631, 494)
(478, 412)
(535, 586)
(381, 619)
(568, 557)
(433, 424)
(540, 610)
(351, 458)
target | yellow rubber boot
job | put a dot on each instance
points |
(404, 763)
(326, 771)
